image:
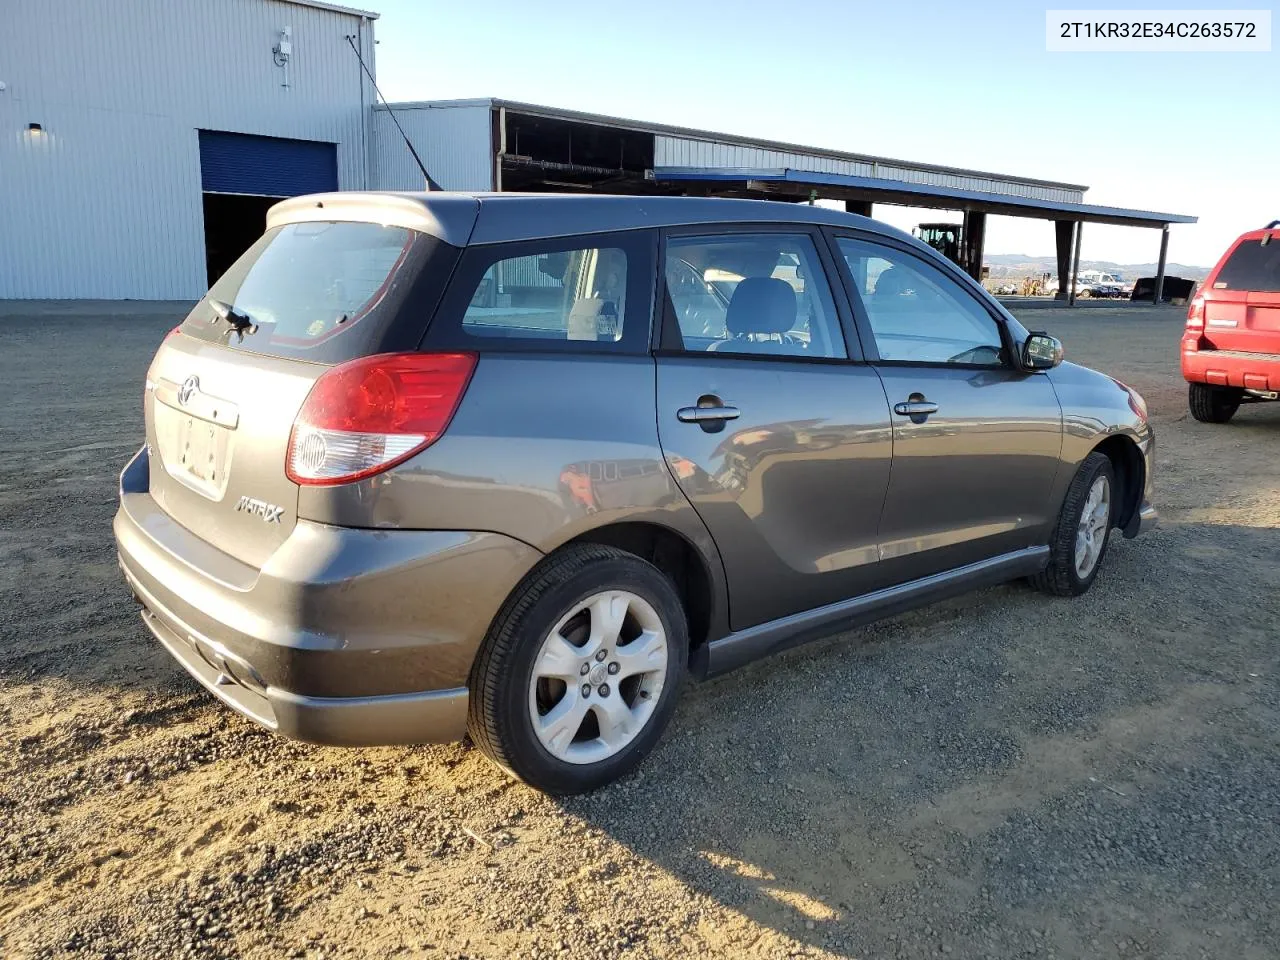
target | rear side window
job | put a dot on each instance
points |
(1251, 266)
(325, 291)
(567, 295)
(588, 293)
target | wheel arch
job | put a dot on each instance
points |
(1130, 470)
(689, 569)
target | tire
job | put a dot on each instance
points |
(1062, 576)
(1210, 404)
(539, 629)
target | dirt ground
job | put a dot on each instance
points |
(1003, 775)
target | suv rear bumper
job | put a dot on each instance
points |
(345, 636)
(1232, 368)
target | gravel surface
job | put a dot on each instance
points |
(1004, 775)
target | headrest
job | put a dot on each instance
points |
(892, 283)
(761, 305)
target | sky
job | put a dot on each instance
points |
(948, 83)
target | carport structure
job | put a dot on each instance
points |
(506, 145)
(860, 192)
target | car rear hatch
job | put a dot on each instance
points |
(1242, 298)
(226, 386)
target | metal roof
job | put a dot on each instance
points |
(336, 8)
(472, 218)
(640, 126)
(916, 194)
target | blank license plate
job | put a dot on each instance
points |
(200, 450)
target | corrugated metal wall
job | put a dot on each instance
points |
(106, 203)
(683, 152)
(453, 141)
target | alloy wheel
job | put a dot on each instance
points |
(1095, 523)
(598, 676)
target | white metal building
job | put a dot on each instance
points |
(142, 141)
(108, 187)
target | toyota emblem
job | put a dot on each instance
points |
(189, 386)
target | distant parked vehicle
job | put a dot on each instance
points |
(1175, 288)
(1098, 290)
(1231, 347)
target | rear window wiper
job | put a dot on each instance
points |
(240, 321)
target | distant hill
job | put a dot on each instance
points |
(1024, 265)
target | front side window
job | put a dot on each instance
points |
(565, 295)
(917, 313)
(752, 294)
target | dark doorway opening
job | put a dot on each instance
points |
(560, 156)
(232, 223)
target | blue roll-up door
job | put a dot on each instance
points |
(266, 166)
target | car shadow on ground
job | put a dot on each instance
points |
(996, 774)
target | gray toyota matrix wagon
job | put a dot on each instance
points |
(422, 465)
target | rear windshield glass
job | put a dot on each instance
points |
(1251, 266)
(324, 291)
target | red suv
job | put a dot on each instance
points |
(1231, 348)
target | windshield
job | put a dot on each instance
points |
(324, 291)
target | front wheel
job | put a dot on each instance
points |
(580, 671)
(1080, 537)
(1210, 404)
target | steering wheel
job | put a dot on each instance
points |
(984, 354)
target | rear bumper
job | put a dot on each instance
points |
(344, 636)
(431, 717)
(1232, 368)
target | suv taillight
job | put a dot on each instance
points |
(1195, 313)
(366, 416)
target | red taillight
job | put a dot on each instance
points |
(366, 416)
(1195, 313)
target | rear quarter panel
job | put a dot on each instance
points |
(544, 448)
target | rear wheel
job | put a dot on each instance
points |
(1210, 404)
(581, 669)
(1081, 535)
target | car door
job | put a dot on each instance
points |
(779, 439)
(976, 441)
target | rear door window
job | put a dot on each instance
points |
(325, 291)
(590, 293)
(744, 293)
(1251, 267)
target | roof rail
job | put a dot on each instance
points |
(1272, 225)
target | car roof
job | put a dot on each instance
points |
(474, 218)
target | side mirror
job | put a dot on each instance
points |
(1041, 352)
